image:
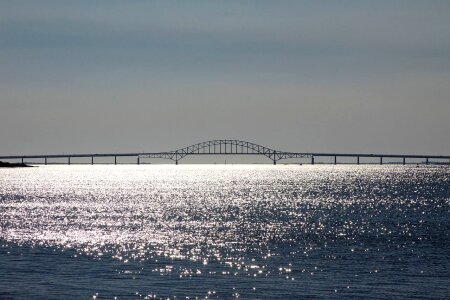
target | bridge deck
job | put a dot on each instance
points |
(228, 147)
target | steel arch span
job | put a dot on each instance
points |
(220, 147)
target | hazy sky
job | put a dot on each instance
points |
(323, 76)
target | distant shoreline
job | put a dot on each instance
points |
(13, 165)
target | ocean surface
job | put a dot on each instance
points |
(225, 231)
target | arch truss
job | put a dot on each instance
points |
(225, 147)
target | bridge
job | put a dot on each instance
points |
(231, 147)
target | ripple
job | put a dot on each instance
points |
(228, 221)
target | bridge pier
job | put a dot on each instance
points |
(45, 160)
(22, 159)
(115, 160)
(312, 160)
(381, 160)
(404, 160)
(138, 162)
(357, 160)
(92, 160)
(68, 160)
(176, 162)
(335, 160)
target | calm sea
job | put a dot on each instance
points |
(225, 231)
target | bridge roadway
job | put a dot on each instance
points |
(231, 147)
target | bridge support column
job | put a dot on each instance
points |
(312, 160)
(426, 161)
(404, 160)
(22, 159)
(138, 162)
(115, 160)
(335, 160)
(92, 160)
(274, 162)
(68, 160)
(381, 160)
(357, 160)
(45, 161)
(176, 162)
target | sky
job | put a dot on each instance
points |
(305, 76)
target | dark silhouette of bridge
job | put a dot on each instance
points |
(225, 147)
(231, 147)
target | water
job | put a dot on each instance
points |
(210, 231)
